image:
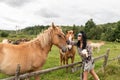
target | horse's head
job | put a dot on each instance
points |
(58, 37)
(69, 36)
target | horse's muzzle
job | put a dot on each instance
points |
(68, 42)
(64, 49)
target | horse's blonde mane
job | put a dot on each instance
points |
(43, 38)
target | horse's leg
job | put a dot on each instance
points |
(66, 60)
(61, 59)
(37, 77)
(72, 61)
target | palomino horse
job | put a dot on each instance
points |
(33, 54)
(96, 45)
(70, 53)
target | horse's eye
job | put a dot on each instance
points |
(59, 36)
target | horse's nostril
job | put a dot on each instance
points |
(68, 42)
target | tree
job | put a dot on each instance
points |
(4, 34)
(116, 34)
(90, 27)
(89, 24)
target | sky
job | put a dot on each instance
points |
(24, 13)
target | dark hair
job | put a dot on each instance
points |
(84, 40)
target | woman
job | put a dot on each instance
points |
(85, 52)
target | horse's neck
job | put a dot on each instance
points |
(44, 41)
(45, 48)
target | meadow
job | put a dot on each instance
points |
(112, 71)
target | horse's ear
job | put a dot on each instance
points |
(53, 26)
(73, 31)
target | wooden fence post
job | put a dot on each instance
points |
(106, 59)
(17, 72)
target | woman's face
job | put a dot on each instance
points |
(79, 37)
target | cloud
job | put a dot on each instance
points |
(10, 20)
(62, 12)
(47, 13)
(105, 16)
(16, 3)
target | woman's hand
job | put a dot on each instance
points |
(85, 53)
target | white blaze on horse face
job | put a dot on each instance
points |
(69, 46)
(70, 39)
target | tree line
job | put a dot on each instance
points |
(106, 32)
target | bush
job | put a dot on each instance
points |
(4, 34)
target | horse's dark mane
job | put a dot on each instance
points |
(84, 38)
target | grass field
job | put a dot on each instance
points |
(112, 71)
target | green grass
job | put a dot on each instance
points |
(112, 70)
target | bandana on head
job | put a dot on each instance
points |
(79, 34)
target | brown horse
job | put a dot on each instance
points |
(70, 53)
(33, 54)
(17, 42)
(20, 41)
